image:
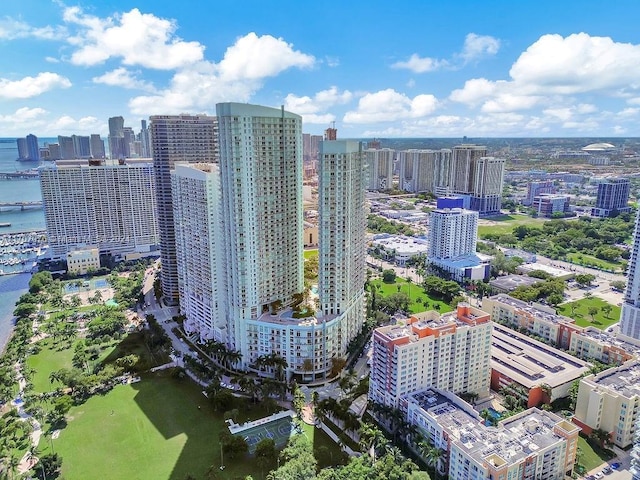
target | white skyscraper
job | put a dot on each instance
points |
(453, 232)
(199, 253)
(110, 206)
(380, 168)
(424, 170)
(630, 315)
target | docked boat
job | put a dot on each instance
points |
(5, 224)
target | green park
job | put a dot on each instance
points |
(591, 312)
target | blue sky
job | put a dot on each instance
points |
(377, 68)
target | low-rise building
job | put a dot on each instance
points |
(82, 260)
(400, 248)
(547, 204)
(545, 372)
(610, 401)
(450, 352)
(508, 283)
(531, 444)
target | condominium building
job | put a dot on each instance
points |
(67, 149)
(488, 178)
(112, 207)
(610, 401)
(635, 454)
(176, 138)
(23, 152)
(463, 165)
(533, 444)
(453, 235)
(200, 255)
(630, 314)
(380, 168)
(546, 373)
(451, 352)
(81, 146)
(33, 149)
(613, 197)
(424, 170)
(97, 146)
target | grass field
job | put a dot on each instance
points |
(150, 429)
(48, 360)
(311, 253)
(505, 224)
(590, 260)
(415, 292)
(582, 317)
(591, 458)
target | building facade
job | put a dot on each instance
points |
(451, 352)
(112, 207)
(546, 204)
(613, 197)
(538, 188)
(379, 168)
(176, 138)
(630, 314)
(424, 170)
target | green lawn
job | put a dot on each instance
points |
(504, 224)
(591, 458)
(310, 253)
(591, 261)
(415, 292)
(326, 451)
(48, 360)
(150, 429)
(582, 317)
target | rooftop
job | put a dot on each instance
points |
(531, 363)
(534, 309)
(511, 282)
(624, 380)
(402, 244)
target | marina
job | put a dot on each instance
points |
(19, 252)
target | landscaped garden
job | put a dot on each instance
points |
(591, 312)
(420, 301)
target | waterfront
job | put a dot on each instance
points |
(11, 288)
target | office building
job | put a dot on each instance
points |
(111, 207)
(379, 168)
(33, 149)
(630, 314)
(97, 146)
(546, 373)
(116, 137)
(199, 253)
(453, 234)
(145, 140)
(451, 352)
(529, 445)
(613, 198)
(185, 139)
(610, 401)
(538, 188)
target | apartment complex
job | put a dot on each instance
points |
(112, 207)
(610, 401)
(613, 196)
(546, 373)
(450, 352)
(424, 170)
(532, 444)
(239, 238)
(630, 315)
(379, 168)
(176, 138)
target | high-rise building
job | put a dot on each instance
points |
(112, 207)
(54, 151)
(630, 314)
(453, 232)
(331, 133)
(67, 150)
(451, 352)
(33, 149)
(488, 178)
(635, 454)
(613, 198)
(177, 138)
(463, 162)
(380, 168)
(116, 138)
(248, 213)
(81, 146)
(97, 146)
(23, 152)
(145, 140)
(200, 249)
(424, 170)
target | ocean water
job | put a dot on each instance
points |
(16, 190)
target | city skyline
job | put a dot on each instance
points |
(535, 69)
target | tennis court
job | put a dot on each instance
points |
(278, 427)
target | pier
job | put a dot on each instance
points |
(27, 174)
(21, 205)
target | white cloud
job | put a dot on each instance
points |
(479, 46)
(12, 29)
(389, 105)
(136, 38)
(32, 86)
(508, 102)
(237, 77)
(121, 77)
(311, 108)
(474, 91)
(24, 114)
(419, 64)
(67, 124)
(51, 60)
